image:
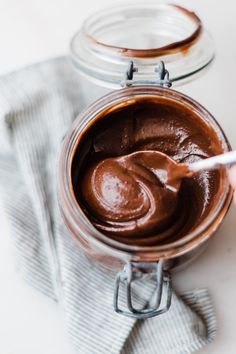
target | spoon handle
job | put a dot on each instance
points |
(215, 162)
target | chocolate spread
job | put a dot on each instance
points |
(121, 185)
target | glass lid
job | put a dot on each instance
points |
(144, 33)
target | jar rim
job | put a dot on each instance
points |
(75, 217)
(176, 46)
(187, 48)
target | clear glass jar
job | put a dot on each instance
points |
(131, 260)
(145, 33)
(110, 46)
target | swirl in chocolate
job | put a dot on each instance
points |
(121, 183)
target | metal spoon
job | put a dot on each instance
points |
(215, 162)
(180, 170)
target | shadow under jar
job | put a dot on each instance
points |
(128, 223)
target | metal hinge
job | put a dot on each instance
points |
(162, 79)
(127, 276)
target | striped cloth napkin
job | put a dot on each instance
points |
(37, 105)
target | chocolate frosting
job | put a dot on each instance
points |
(121, 183)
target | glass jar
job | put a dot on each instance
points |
(117, 48)
(131, 260)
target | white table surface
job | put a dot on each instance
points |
(33, 30)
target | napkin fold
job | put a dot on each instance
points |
(37, 105)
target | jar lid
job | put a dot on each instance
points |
(145, 34)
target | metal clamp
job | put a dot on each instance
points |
(162, 80)
(127, 276)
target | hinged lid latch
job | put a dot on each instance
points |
(162, 79)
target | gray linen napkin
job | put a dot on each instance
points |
(37, 105)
